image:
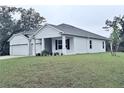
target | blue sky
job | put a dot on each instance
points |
(91, 18)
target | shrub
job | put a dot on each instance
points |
(56, 53)
(38, 54)
(61, 54)
(44, 53)
(51, 54)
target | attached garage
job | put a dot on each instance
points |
(19, 45)
(19, 49)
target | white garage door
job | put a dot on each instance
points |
(19, 49)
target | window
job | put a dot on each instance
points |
(58, 44)
(68, 43)
(103, 45)
(90, 43)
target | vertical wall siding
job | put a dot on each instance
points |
(81, 45)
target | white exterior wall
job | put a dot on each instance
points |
(97, 46)
(81, 45)
(38, 48)
(38, 45)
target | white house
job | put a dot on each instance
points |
(61, 38)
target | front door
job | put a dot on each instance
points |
(48, 45)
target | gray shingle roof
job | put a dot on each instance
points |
(30, 32)
(71, 30)
(67, 29)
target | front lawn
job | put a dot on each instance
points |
(86, 70)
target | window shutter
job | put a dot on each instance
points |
(90, 42)
(103, 44)
(68, 43)
(56, 44)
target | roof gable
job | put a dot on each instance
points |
(47, 31)
(19, 34)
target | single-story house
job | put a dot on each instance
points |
(64, 39)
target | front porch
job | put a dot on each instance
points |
(62, 45)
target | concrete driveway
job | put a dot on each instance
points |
(9, 57)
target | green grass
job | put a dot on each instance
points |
(86, 70)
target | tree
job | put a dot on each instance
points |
(9, 25)
(6, 25)
(115, 37)
(30, 19)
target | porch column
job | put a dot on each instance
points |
(64, 45)
(34, 47)
(29, 47)
(42, 45)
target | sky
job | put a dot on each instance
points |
(91, 17)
